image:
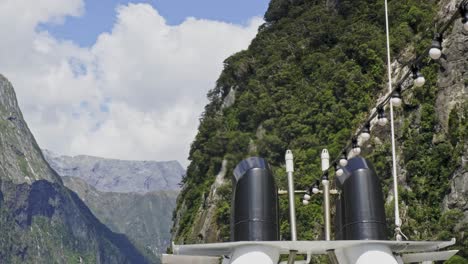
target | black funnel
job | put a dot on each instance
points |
(360, 208)
(254, 202)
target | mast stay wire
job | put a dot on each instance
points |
(392, 125)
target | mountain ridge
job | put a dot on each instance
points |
(116, 175)
(41, 221)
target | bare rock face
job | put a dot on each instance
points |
(41, 221)
(452, 79)
(21, 159)
(453, 97)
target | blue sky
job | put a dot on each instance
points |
(99, 15)
(138, 93)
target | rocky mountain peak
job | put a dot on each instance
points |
(41, 221)
(21, 160)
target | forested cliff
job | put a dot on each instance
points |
(310, 79)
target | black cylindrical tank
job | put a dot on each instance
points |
(339, 218)
(254, 202)
(363, 217)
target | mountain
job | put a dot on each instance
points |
(308, 81)
(146, 219)
(135, 198)
(124, 176)
(41, 221)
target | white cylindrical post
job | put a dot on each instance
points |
(255, 254)
(326, 208)
(326, 192)
(292, 208)
(325, 160)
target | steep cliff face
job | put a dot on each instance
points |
(21, 159)
(307, 81)
(144, 218)
(452, 112)
(41, 221)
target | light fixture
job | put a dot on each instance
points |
(418, 78)
(315, 187)
(365, 134)
(356, 148)
(396, 97)
(307, 197)
(464, 13)
(436, 48)
(381, 117)
(343, 159)
(325, 176)
(339, 171)
(305, 202)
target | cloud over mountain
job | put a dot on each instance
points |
(137, 93)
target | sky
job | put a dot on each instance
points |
(120, 79)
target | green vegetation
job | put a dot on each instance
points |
(23, 165)
(306, 82)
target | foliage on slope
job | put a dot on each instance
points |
(306, 82)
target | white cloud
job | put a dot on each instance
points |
(137, 93)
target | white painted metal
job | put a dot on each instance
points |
(309, 247)
(326, 208)
(255, 255)
(428, 256)
(366, 254)
(289, 161)
(325, 160)
(347, 252)
(171, 259)
(292, 207)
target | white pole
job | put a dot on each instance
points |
(292, 208)
(326, 193)
(394, 171)
(326, 199)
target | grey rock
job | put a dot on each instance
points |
(123, 176)
(21, 159)
(230, 98)
(453, 84)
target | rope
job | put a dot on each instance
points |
(392, 125)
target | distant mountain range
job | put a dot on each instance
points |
(123, 176)
(135, 198)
